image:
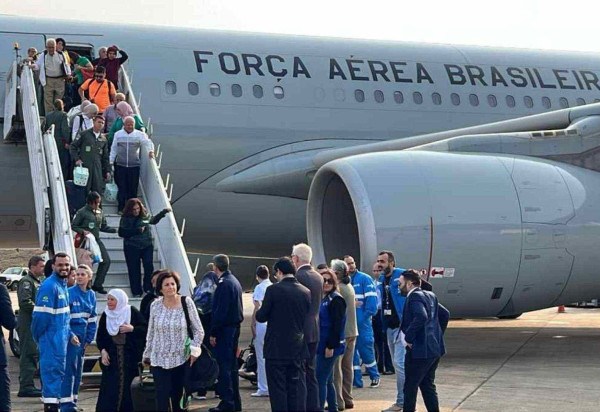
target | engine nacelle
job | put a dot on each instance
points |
(512, 234)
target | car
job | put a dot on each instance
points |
(11, 277)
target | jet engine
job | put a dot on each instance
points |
(498, 235)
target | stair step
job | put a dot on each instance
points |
(117, 255)
(119, 265)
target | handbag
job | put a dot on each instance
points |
(204, 372)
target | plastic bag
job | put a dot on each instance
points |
(93, 247)
(110, 192)
(81, 175)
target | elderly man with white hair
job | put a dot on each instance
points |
(307, 276)
(83, 121)
(125, 155)
(53, 72)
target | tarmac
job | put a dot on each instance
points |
(544, 361)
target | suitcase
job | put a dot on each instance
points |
(143, 395)
(75, 196)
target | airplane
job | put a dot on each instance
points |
(475, 164)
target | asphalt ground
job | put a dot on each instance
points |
(544, 361)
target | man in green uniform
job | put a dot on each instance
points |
(62, 135)
(26, 293)
(90, 219)
(91, 150)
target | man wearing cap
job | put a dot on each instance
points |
(91, 150)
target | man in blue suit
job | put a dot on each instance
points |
(424, 321)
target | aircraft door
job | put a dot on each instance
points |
(7, 55)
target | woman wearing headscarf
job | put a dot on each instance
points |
(166, 344)
(121, 338)
(124, 110)
(82, 304)
(110, 113)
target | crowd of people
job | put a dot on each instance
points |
(305, 326)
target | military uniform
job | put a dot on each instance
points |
(94, 222)
(94, 153)
(26, 294)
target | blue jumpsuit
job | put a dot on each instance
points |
(83, 325)
(51, 332)
(364, 291)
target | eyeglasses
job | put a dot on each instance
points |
(99, 76)
(329, 281)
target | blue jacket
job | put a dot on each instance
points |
(423, 323)
(364, 291)
(397, 298)
(227, 309)
(83, 314)
(332, 324)
(51, 315)
(204, 292)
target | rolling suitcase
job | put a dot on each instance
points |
(143, 395)
(75, 196)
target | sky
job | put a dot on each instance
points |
(547, 24)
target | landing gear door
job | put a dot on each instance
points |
(8, 55)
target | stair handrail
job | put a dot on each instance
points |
(10, 98)
(170, 246)
(61, 221)
(37, 159)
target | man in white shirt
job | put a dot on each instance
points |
(53, 72)
(260, 329)
(125, 155)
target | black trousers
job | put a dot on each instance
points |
(420, 374)
(4, 387)
(169, 387)
(133, 256)
(382, 351)
(127, 180)
(102, 267)
(312, 387)
(287, 384)
(228, 384)
(206, 320)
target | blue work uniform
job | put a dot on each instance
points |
(50, 331)
(227, 315)
(394, 291)
(364, 291)
(83, 325)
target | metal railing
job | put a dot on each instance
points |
(37, 159)
(61, 221)
(10, 99)
(167, 234)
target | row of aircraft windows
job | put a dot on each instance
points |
(215, 90)
(378, 95)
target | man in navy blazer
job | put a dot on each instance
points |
(424, 321)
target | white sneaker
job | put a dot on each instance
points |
(198, 397)
(259, 395)
(394, 408)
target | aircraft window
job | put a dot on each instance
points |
(564, 103)
(437, 99)
(359, 95)
(546, 102)
(398, 97)
(171, 87)
(492, 101)
(417, 98)
(510, 101)
(257, 91)
(580, 101)
(278, 92)
(455, 98)
(378, 96)
(474, 100)
(528, 101)
(215, 90)
(339, 95)
(193, 88)
(236, 90)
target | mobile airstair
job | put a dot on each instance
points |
(54, 228)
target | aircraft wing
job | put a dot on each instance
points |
(568, 135)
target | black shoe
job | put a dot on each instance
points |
(99, 290)
(51, 407)
(388, 373)
(375, 383)
(218, 409)
(33, 393)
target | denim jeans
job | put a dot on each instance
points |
(325, 382)
(398, 351)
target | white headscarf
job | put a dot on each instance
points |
(120, 315)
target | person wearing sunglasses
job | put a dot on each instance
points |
(332, 321)
(98, 90)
